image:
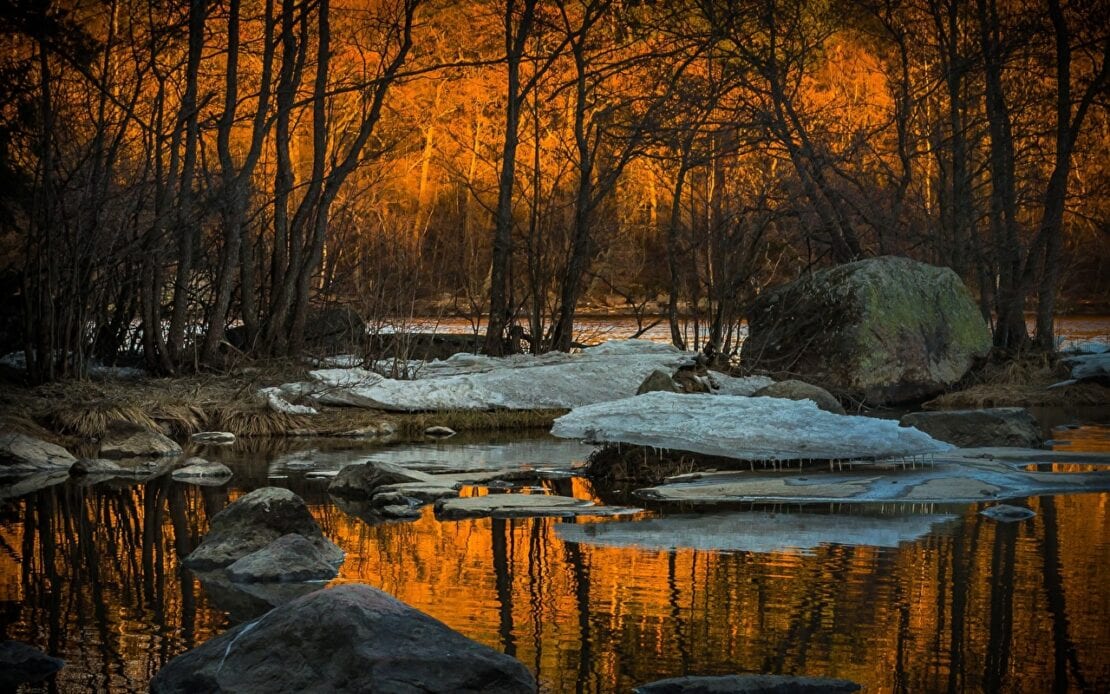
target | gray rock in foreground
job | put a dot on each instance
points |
(21, 454)
(998, 426)
(793, 389)
(352, 638)
(254, 521)
(881, 330)
(289, 558)
(126, 440)
(21, 663)
(749, 684)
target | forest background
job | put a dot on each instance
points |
(170, 169)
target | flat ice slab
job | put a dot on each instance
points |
(556, 380)
(960, 477)
(753, 531)
(743, 428)
(523, 506)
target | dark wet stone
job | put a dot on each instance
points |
(997, 426)
(749, 684)
(658, 380)
(351, 638)
(362, 480)
(96, 466)
(21, 663)
(254, 521)
(127, 440)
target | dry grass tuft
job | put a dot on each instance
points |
(1022, 395)
(91, 419)
(181, 420)
(247, 420)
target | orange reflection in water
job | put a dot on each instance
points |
(93, 574)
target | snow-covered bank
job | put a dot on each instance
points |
(743, 428)
(555, 380)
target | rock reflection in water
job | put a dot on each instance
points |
(92, 574)
(754, 531)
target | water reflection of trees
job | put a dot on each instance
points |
(982, 606)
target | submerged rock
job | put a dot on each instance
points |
(96, 466)
(289, 558)
(246, 601)
(351, 638)
(22, 664)
(201, 471)
(252, 522)
(881, 330)
(522, 506)
(1004, 513)
(793, 389)
(127, 440)
(998, 426)
(21, 454)
(749, 684)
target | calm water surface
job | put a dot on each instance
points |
(913, 599)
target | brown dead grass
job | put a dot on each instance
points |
(1022, 381)
(82, 410)
(414, 424)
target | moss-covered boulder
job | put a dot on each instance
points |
(883, 330)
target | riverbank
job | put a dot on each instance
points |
(75, 413)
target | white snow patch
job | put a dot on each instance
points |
(278, 403)
(743, 428)
(474, 382)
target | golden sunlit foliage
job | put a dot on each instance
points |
(175, 168)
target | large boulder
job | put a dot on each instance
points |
(21, 454)
(351, 638)
(252, 522)
(793, 389)
(987, 428)
(749, 684)
(21, 664)
(127, 440)
(883, 330)
(289, 558)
